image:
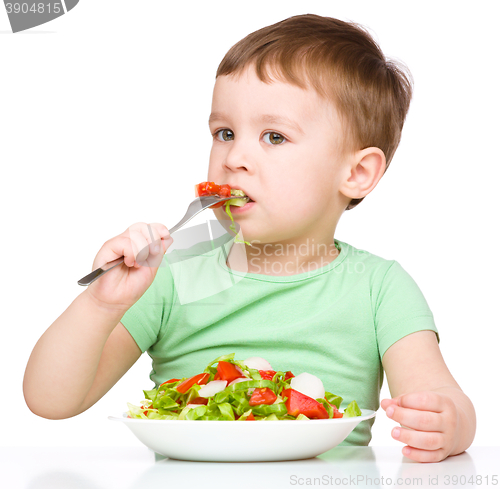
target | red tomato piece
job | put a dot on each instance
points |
(336, 412)
(225, 190)
(211, 188)
(262, 396)
(146, 411)
(250, 417)
(267, 374)
(298, 403)
(217, 376)
(289, 375)
(228, 371)
(196, 379)
(199, 400)
(169, 381)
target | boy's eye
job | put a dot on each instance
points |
(227, 134)
(269, 137)
(274, 138)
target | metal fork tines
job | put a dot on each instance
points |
(199, 204)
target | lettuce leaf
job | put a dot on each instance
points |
(232, 226)
(352, 410)
(333, 399)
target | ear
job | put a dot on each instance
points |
(363, 173)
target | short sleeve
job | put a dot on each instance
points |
(146, 318)
(400, 308)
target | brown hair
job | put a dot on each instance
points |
(342, 62)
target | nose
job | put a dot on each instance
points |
(238, 156)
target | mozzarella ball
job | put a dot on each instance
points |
(257, 363)
(308, 385)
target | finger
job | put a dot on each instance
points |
(385, 403)
(162, 229)
(146, 241)
(159, 239)
(164, 233)
(425, 440)
(140, 242)
(424, 401)
(424, 455)
(414, 419)
(166, 242)
(147, 231)
(115, 248)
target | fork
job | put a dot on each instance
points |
(199, 204)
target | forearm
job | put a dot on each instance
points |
(466, 425)
(63, 363)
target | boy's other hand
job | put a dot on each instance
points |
(429, 422)
(437, 418)
(142, 245)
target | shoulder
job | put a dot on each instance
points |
(364, 261)
(384, 277)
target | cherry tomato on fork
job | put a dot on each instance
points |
(211, 188)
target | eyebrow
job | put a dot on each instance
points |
(269, 118)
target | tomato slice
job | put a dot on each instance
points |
(169, 381)
(195, 379)
(211, 188)
(250, 417)
(199, 400)
(289, 375)
(298, 403)
(227, 371)
(267, 374)
(336, 412)
(262, 396)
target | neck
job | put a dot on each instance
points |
(282, 258)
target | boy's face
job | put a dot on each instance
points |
(281, 145)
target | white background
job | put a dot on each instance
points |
(103, 123)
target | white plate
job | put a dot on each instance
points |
(242, 441)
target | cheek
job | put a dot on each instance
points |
(217, 156)
(212, 166)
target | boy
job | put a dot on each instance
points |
(307, 108)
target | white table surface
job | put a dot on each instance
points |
(141, 468)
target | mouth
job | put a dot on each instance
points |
(235, 187)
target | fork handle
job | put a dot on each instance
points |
(98, 272)
(88, 279)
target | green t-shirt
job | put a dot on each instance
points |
(335, 322)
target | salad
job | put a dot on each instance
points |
(250, 390)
